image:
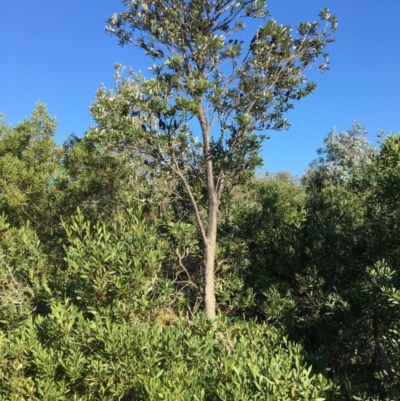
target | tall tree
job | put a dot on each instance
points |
(204, 72)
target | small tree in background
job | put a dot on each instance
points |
(30, 170)
(341, 155)
(204, 72)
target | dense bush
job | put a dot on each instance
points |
(65, 356)
(106, 329)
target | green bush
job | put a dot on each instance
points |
(64, 356)
(107, 330)
(24, 275)
(115, 267)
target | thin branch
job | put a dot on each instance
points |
(179, 173)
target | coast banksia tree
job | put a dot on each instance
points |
(205, 74)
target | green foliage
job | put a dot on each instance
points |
(351, 226)
(101, 325)
(262, 254)
(116, 266)
(103, 303)
(204, 72)
(343, 153)
(30, 170)
(309, 258)
(100, 181)
(64, 356)
(389, 153)
(24, 275)
(100, 344)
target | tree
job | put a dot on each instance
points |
(203, 71)
(341, 155)
(30, 171)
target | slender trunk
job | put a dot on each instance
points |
(209, 258)
(210, 242)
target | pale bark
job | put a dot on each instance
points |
(209, 259)
(211, 233)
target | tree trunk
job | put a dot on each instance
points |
(210, 236)
(209, 259)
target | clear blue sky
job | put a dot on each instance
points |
(57, 52)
